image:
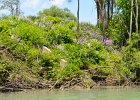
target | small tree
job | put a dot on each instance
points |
(11, 5)
(78, 14)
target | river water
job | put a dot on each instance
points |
(95, 94)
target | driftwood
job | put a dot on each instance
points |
(5, 89)
(53, 85)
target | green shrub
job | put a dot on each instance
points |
(57, 12)
(60, 35)
(31, 34)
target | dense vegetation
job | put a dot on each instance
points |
(48, 48)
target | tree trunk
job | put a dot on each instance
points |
(108, 10)
(101, 14)
(17, 4)
(137, 16)
(131, 17)
(12, 10)
(104, 17)
(78, 15)
(112, 7)
(98, 11)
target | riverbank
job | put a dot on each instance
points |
(65, 84)
(48, 53)
(6, 89)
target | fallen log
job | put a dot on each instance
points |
(6, 89)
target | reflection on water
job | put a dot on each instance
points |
(95, 94)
